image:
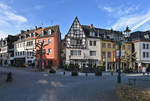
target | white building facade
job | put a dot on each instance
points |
(142, 50)
(24, 49)
(3, 53)
(80, 49)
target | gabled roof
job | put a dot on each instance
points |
(25, 32)
(54, 30)
(98, 31)
(140, 35)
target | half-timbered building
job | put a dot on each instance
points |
(83, 43)
(81, 48)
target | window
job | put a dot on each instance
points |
(23, 44)
(39, 41)
(144, 55)
(20, 53)
(49, 31)
(94, 43)
(32, 34)
(49, 51)
(30, 43)
(147, 46)
(31, 53)
(123, 47)
(92, 53)
(114, 45)
(92, 34)
(129, 47)
(28, 54)
(109, 54)
(42, 33)
(49, 41)
(90, 43)
(79, 42)
(147, 54)
(79, 52)
(103, 45)
(109, 45)
(143, 46)
(44, 51)
(23, 53)
(75, 52)
(44, 42)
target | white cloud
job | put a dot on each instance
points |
(3, 34)
(133, 21)
(8, 14)
(38, 7)
(108, 9)
(119, 10)
(9, 19)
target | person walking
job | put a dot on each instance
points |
(148, 70)
(143, 70)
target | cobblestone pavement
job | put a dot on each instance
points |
(41, 86)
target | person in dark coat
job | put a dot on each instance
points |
(148, 70)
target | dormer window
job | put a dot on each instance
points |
(146, 36)
(24, 36)
(49, 32)
(27, 35)
(20, 37)
(30, 35)
(83, 41)
(92, 33)
(42, 33)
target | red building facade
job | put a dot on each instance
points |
(50, 37)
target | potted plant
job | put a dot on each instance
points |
(98, 73)
(74, 68)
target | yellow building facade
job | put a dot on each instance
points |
(111, 49)
(126, 58)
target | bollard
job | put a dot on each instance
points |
(111, 73)
(64, 73)
(86, 74)
(9, 77)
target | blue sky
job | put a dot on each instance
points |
(16, 15)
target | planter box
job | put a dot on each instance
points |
(74, 73)
(52, 71)
(98, 73)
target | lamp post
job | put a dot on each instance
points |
(26, 62)
(119, 72)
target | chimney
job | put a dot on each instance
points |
(36, 27)
(22, 31)
(28, 30)
(91, 25)
(40, 27)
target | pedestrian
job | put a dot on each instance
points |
(140, 69)
(143, 70)
(148, 70)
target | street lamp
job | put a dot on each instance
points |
(119, 71)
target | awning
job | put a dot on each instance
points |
(146, 62)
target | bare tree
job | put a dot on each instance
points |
(40, 52)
